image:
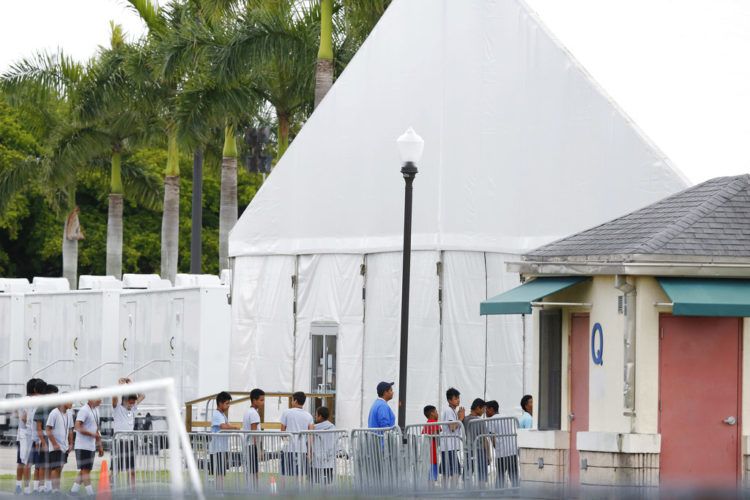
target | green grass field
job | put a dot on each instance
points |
(8, 481)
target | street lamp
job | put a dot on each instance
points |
(410, 146)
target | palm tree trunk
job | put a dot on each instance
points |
(283, 134)
(114, 219)
(324, 66)
(70, 260)
(196, 247)
(70, 237)
(228, 205)
(170, 222)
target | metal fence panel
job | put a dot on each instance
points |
(222, 460)
(140, 462)
(330, 460)
(378, 460)
(436, 455)
(425, 457)
(492, 454)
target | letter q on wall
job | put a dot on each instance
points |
(597, 344)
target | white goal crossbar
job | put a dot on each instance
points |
(176, 430)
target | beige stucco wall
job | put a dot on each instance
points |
(648, 293)
(613, 436)
(606, 381)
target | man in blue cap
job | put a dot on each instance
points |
(381, 415)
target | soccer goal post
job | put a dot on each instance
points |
(179, 456)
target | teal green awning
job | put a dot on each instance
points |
(708, 296)
(519, 299)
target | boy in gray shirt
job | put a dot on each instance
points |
(323, 448)
(477, 447)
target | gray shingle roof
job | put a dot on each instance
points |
(708, 220)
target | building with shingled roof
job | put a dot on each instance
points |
(640, 324)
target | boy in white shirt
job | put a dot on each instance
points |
(450, 443)
(219, 447)
(295, 419)
(123, 414)
(24, 444)
(60, 435)
(88, 440)
(251, 422)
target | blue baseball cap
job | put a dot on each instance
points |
(384, 386)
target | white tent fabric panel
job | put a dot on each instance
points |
(505, 340)
(329, 288)
(262, 323)
(383, 325)
(424, 335)
(514, 130)
(464, 330)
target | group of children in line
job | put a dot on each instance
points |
(46, 436)
(294, 456)
(481, 435)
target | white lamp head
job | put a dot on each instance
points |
(410, 145)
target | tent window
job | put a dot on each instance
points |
(550, 369)
(323, 343)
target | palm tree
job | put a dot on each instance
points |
(46, 84)
(55, 94)
(273, 44)
(324, 67)
(158, 83)
(207, 101)
(228, 206)
(275, 41)
(114, 118)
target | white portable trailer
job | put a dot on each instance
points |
(97, 334)
(14, 367)
(178, 332)
(70, 335)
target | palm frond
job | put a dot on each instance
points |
(150, 13)
(44, 76)
(15, 178)
(141, 185)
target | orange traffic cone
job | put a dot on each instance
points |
(103, 491)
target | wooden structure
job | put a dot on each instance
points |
(242, 397)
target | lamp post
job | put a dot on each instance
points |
(410, 146)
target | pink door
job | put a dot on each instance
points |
(699, 394)
(579, 388)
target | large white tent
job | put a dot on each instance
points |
(521, 148)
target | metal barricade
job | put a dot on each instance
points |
(377, 459)
(140, 462)
(435, 456)
(222, 460)
(432, 456)
(269, 462)
(329, 459)
(492, 454)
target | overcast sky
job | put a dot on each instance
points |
(679, 68)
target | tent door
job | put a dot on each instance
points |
(323, 378)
